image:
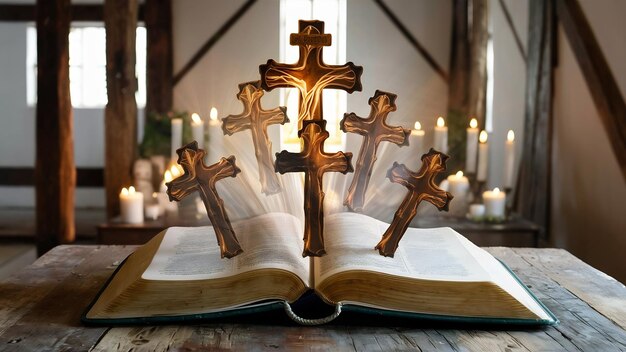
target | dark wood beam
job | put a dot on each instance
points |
(532, 199)
(604, 90)
(467, 89)
(214, 39)
(25, 176)
(55, 172)
(509, 21)
(159, 87)
(411, 38)
(78, 13)
(120, 114)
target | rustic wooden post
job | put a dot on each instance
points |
(468, 74)
(159, 71)
(55, 171)
(120, 19)
(533, 188)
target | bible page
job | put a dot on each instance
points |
(270, 241)
(428, 254)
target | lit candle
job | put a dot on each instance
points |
(441, 136)
(131, 206)
(216, 137)
(177, 136)
(163, 198)
(494, 203)
(416, 140)
(458, 186)
(483, 157)
(509, 159)
(472, 146)
(197, 129)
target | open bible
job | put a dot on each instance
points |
(436, 274)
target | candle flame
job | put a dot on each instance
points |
(483, 136)
(441, 122)
(131, 190)
(154, 195)
(510, 136)
(124, 191)
(418, 125)
(473, 123)
(168, 176)
(213, 114)
(496, 190)
(459, 174)
(196, 118)
(175, 171)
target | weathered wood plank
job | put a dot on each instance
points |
(55, 173)
(581, 327)
(120, 19)
(532, 196)
(600, 291)
(159, 64)
(40, 307)
(602, 85)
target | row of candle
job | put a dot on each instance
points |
(477, 149)
(197, 131)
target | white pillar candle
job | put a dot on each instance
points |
(509, 160)
(471, 147)
(476, 211)
(483, 157)
(131, 206)
(177, 137)
(494, 203)
(441, 136)
(458, 185)
(197, 129)
(216, 138)
(416, 141)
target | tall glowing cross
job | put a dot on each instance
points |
(421, 187)
(310, 74)
(201, 178)
(255, 119)
(374, 130)
(314, 162)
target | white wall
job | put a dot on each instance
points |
(588, 188)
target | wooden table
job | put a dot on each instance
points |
(41, 305)
(516, 232)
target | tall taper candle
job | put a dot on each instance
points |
(215, 148)
(441, 136)
(483, 157)
(177, 137)
(509, 160)
(471, 147)
(416, 141)
(197, 129)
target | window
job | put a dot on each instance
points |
(87, 49)
(333, 13)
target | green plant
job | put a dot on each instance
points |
(158, 133)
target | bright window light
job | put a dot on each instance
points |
(333, 13)
(87, 49)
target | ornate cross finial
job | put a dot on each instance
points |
(201, 178)
(421, 186)
(314, 162)
(310, 74)
(374, 130)
(257, 120)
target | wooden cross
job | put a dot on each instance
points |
(374, 130)
(421, 186)
(257, 120)
(314, 162)
(201, 178)
(310, 74)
